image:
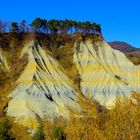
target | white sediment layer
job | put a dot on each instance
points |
(105, 72)
(43, 90)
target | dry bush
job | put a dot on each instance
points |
(120, 123)
(20, 132)
(123, 122)
(82, 125)
(64, 55)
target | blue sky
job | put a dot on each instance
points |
(120, 19)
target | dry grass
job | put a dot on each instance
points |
(135, 58)
(20, 133)
(120, 123)
(64, 55)
(92, 122)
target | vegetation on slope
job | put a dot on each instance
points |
(51, 26)
(120, 123)
(4, 130)
(49, 32)
(92, 123)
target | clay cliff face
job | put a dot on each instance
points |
(105, 72)
(43, 90)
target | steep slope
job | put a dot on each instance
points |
(105, 72)
(4, 70)
(3, 62)
(4, 75)
(43, 90)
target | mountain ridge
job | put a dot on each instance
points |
(123, 46)
(131, 52)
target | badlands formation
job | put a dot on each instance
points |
(105, 72)
(45, 91)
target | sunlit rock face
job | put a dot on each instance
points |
(3, 62)
(43, 90)
(105, 73)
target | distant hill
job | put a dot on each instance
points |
(122, 46)
(131, 52)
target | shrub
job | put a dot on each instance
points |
(39, 134)
(5, 127)
(120, 123)
(58, 133)
(123, 122)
